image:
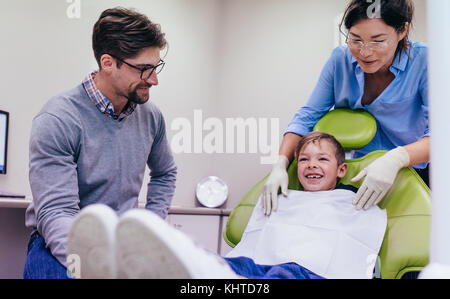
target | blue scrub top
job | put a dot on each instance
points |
(401, 110)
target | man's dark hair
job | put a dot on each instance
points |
(124, 32)
(317, 136)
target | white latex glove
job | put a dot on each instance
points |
(277, 178)
(380, 176)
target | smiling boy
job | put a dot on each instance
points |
(314, 233)
(321, 161)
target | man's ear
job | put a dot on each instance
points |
(107, 63)
(342, 170)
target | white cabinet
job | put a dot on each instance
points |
(205, 226)
(204, 229)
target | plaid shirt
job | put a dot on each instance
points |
(101, 102)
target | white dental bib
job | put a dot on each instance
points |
(321, 231)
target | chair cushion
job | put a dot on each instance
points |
(354, 129)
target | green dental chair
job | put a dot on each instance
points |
(405, 247)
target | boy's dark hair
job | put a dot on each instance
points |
(395, 13)
(317, 136)
(124, 32)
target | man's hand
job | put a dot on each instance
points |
(277, 178)
(379, 177)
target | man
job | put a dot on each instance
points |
(316, 233)
(90, 144)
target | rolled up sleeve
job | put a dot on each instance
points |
(423, 90)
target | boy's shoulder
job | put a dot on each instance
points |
(346, 187)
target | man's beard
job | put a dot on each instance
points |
(135, 98)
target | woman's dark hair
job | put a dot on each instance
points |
(395, 13)
(123, 33)
(318, 136)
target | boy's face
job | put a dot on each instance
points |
(318, 168)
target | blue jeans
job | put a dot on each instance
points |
(40, 263)
(246, 267)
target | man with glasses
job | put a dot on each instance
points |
(91, 144)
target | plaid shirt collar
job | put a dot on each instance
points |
(102, 102)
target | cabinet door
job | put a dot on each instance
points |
(203, 229)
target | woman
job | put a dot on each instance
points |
(379, 71)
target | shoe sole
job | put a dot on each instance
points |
(145, 249)
(91, 240)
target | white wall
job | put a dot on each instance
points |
(271, 54)
(229, 58)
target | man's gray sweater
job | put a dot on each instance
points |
(80, 156)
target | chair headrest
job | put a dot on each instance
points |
(354, 129)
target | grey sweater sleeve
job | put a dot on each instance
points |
(53, 179)
(163, 173)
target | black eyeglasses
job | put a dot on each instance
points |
(146, 72)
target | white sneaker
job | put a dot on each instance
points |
(91, 240)
(149, 247)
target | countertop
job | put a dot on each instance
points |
(22, 203)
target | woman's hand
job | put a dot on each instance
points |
(379, 177)
(277, 178)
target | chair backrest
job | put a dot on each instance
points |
(354, 129)
(405, 246)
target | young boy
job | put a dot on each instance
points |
(315, 233)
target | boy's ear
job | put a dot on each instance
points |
(342, 170)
